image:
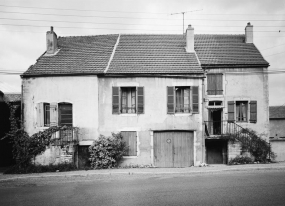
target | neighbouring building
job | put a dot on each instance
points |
(12, 97)
(277, 131)
(170, 96)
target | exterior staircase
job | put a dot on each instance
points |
(232, 131)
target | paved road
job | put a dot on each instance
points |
(261, 187)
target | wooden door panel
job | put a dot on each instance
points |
(173, 149)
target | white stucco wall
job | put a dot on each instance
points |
(81, 91)
(245, 85)
(155, 116)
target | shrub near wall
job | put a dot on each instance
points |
(106, 152)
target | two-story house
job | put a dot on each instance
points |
(157, 90)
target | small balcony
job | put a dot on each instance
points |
(66, 136)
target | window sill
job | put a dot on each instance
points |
(128, 115)
(129, 157)
(182, 114)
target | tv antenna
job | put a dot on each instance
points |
(183, 12)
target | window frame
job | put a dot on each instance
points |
(117, 100)
(193, 100)
(246, 104)
(135, 145)
(46, 113)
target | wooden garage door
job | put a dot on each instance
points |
(173, 149)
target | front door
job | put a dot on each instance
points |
(173, 149)
(215, 117)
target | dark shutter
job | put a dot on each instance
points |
(219, 84)
(115, 100)
(170, 100)
(195, 99)
(253, 111)
(140, 100)
(231, 111)
(211, 84)
(131, 142)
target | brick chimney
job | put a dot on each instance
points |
(249, 33)
(51, 41)
(190, 39)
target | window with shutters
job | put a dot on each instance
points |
(130, 138)
(43, 114)
(128, 100)
(182, 100)
(215, 84)
(46, 111)
(242, 111)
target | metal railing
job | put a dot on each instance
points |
(66, 136)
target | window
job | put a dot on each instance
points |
(131, 142)
(182, 95)
(179, 100)
(215, 84)
(53, 114)
(46, 114)
(128, 100)
(215, 103)
(239, 111)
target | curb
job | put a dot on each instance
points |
(144, 173)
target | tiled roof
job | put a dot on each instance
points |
(142, 54)
(77, 55)
(277, 112)
(226, 50)
(12, 97)
(153, 54)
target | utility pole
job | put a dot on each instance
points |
(183, 12)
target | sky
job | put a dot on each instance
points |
(24, 23)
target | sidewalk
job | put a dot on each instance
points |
(153, 171)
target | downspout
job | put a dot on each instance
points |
(203, 123)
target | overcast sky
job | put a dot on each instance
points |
(23, 24)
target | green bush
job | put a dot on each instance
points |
(106, 152)
(240, 160)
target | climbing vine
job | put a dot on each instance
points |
(26, 147)
(252, 143)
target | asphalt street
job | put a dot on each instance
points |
(260, 187)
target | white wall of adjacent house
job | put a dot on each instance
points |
(80, 91)
(155, 116)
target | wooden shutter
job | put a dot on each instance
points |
(53, 114)
(253, 111)
(140, 100)
(131, 142)
(40, 114)
(231, 111)
(219, 84)
(170, 100)
(115, 100)
(195, 99)
(211, 84)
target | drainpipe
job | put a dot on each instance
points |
(203, 123)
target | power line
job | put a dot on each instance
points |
(274, 54)
(64, 9)
(118, 17)
(272, 47)
(138, 29)
(89, 22)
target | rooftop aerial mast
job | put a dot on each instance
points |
(183, 12)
